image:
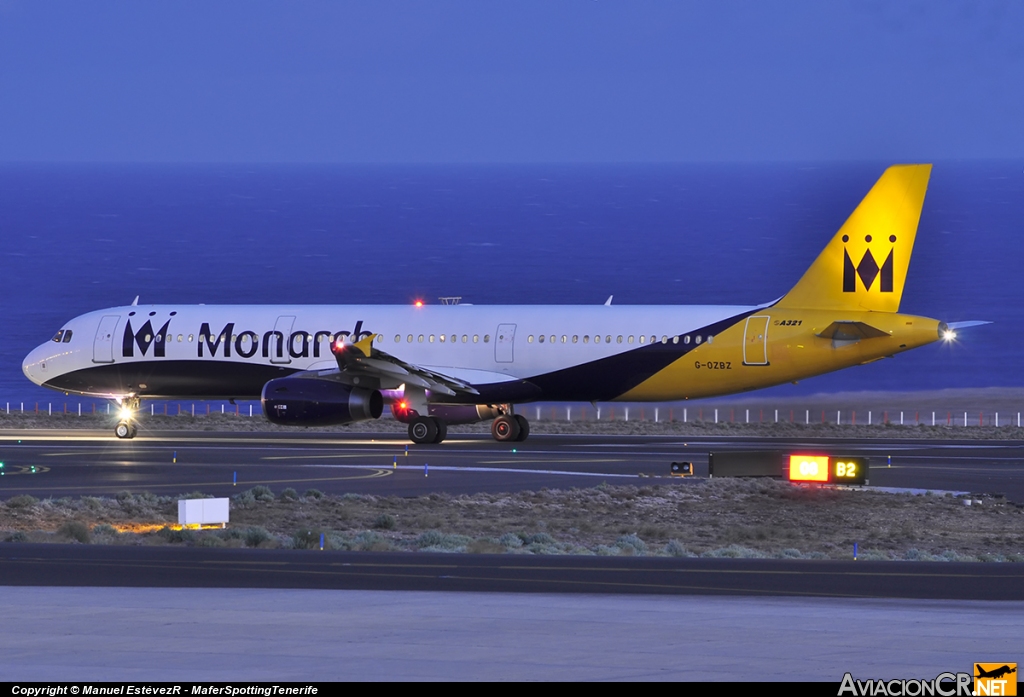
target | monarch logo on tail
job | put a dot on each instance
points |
(868, 269)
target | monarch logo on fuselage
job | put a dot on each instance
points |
(143, 339)
(867, 269)
(246, 344)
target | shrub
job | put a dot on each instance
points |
(675, 548)
(254, 536)
(313, 494)
(436, 541)
(262, 493)
(306, 539)
(18, 536)
(290, 494)
(385, 521)
(105, 530)
(195, 495)
(176, 536)
(74, 530)
(510, 540)
(23, 501)
(631, 544)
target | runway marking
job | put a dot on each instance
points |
(24, 469)
(379, 472)
(504, 470)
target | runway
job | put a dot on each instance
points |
(71, 463)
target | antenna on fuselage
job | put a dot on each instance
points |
(136, 301)
(608, 302)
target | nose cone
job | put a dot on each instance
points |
(35, 365)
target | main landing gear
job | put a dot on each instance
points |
(510, 427)
(505, 429)
(126, 428)
(427, 429)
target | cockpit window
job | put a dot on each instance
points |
(58, 336)
(67, 336)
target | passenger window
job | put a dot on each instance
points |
(552, 338)
(710, 338)
(529, 339)
(398, 338)
(465, 339)
(541, 338)
(642, 338)
(619, 339)
(420, 339)
(586, 338)
(597, 339)
(686, 339)
(563, 338)
(190, 338)
(180, 337)
(487, 338)
(654, 339)
(442, 338)
(664, 339)
(608, 339)
(675, 340)
(698, 339)
(575, 339)
(630, 339)
(454, 338)
(431, 338)
(476, 338)
(67, 336)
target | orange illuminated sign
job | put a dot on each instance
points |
(808, 468)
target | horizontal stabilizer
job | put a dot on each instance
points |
(850, 331)
(968, 323)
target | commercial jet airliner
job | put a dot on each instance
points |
(451, 364)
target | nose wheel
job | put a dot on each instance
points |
(125, 430)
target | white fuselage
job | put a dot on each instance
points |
(232, 350)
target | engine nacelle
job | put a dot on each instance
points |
(296, 401)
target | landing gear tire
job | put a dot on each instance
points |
(423, 429)
(442, 430)
(125, 430)
(524, 427)
(505, 428)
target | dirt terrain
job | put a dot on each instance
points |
(717, 518)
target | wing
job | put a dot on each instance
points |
(362, 359)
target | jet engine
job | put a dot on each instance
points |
(299, 401)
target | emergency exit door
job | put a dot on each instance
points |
(755, 340)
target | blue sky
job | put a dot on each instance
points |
(548, 81)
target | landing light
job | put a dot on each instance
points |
(949, 335)
(125, 413)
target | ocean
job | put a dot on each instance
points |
(75, 238)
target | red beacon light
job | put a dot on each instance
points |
(418, 303)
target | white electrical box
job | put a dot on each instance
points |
(203, 512)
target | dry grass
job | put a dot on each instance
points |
(721, 517)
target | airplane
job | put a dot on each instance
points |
(436, 365)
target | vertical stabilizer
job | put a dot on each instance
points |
(865, 265)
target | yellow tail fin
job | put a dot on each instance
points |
(865, 265)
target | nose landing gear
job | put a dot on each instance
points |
(126, 428)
